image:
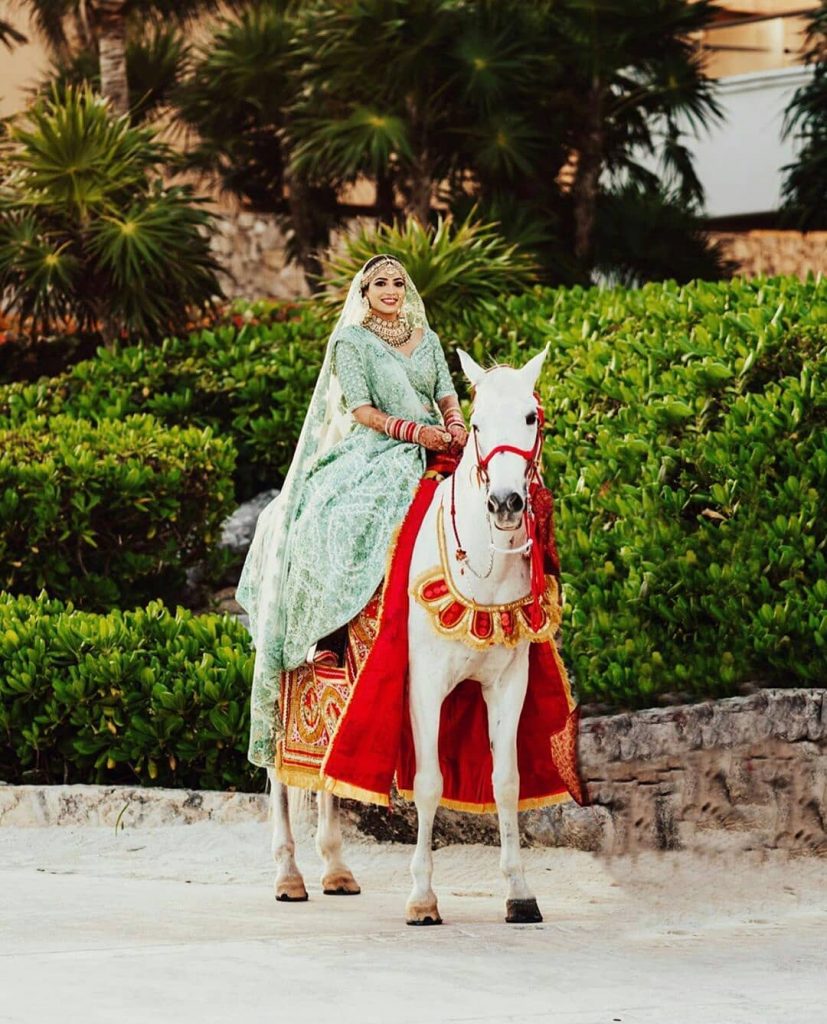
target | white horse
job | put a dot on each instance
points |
(490, 526)
(489, 522)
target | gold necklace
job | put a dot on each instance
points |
(393, 332)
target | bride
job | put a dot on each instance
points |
(384, 397)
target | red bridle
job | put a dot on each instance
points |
(531, 455)
(533, 481)
(532, 459)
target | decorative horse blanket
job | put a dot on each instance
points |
(348, 729)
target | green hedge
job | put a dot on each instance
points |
(109, 513)
(248, 380)
(687, 447)
(142, 696)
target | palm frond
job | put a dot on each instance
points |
(88, 231)
(9, 35)
(459, 269)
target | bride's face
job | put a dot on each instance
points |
(386, 293)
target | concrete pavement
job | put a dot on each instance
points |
(178, 924)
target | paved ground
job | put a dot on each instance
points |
(178, 924)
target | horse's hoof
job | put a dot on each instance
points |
(340, 883)
(291, 890)
(422, 914)
(522, 911)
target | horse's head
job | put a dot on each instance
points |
(505, 431)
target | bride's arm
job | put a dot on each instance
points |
(435, 438)
(356, 389)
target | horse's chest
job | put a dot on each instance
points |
(459, 661)
(492, 665)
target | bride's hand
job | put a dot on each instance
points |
(436, 439)
(459, 438)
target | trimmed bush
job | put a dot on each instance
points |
(111, 513)
(687, 447)
(250, 381)
(143, 696)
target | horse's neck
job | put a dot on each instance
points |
(509, 578)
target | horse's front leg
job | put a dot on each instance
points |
(504, 700)
(337, 878)
(289, 887)
(425, 705)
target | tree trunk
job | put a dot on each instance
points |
(419, 188)
(419, 195)
(110, 21)
(586, 187)
(420, 180)
(384, 198)
(301, 222)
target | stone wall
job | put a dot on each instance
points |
(253, 249)
(748, 770)
(775, 252)
(744, 773)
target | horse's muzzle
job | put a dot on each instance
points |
(506, 509)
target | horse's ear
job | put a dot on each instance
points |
(531, 371)
(473, 371)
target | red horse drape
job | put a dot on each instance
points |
(373, 742)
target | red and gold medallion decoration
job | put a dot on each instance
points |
(481, 626)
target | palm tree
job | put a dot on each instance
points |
(90, 234)
(805, 187)
(156, 61)
(631, 80)
(493, 98)
(456, 95)
(459, 103)
(237, 99)
(72, 25)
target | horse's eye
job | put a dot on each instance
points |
(531, 419)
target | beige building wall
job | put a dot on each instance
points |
(21, 67)
(749, 36)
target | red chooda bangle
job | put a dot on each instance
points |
(403, 430)
(454, 418)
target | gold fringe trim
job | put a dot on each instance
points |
(296, 775)
(365, 796)
(300, 778)
(530, 804)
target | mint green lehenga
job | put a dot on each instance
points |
(320, 548)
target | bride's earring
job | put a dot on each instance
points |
(365, 307)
